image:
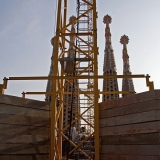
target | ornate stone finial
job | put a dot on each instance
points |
(53, 40)
(107, 19)
(124, 40)
(72, 19)
(127, 83)
(73, 30)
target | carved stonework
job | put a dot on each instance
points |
(109, 67)
(107, 19)
(127, 83)
(72, 20)
(124, 40)
(49, 83)
(53, 40)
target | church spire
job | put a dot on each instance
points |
(49, 83)
(71, 100)
(109, 67)
(71, 50)
(127, 83)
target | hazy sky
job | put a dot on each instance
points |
(26, 27)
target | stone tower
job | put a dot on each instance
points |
(109, 66)
(127, 83)
(70, 87)
(49, 83)
(69, 99)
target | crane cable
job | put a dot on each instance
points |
(73, 85)
(55, 18)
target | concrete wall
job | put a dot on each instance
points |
(24, 129)
(130, 127)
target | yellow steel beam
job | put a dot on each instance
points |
(5, 81)
(59, 110)
(76, 19)
(85, 69)
(57, 152)
(87, 109)
(23, 95)
(81, 51)
(74, 146)
(69, 82)
(79, 34)
(60, 120)
(77, 77)
(88, 51)
(55, 73)
(3, 86)
(69, 125)
(79, 115)
(96, 93)
(147, 80)
(151, 86)
(62, 53)
(1, 89)
(79, 145)
(81, 40)
(84, 92)
(90, 4)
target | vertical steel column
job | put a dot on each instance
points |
(60, 128)
(54, 87)
(1, 89)
(96, 92)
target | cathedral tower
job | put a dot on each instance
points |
(49, 83)
(127, 83)
(109, 66)
(71, 99)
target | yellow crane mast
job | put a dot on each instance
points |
(88, 54)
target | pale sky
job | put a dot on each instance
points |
(26, 27)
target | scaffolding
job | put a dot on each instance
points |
(85, 64)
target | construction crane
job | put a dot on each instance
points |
(77, 66)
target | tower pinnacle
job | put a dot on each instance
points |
(127, 83)
(52, 41)
(124, 40)
(49, 83)
(71, 100)
(109, 67)
(107, 20)
(71, 50)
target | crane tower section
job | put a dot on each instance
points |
(72, 72)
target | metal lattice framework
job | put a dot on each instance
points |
(84, 63)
